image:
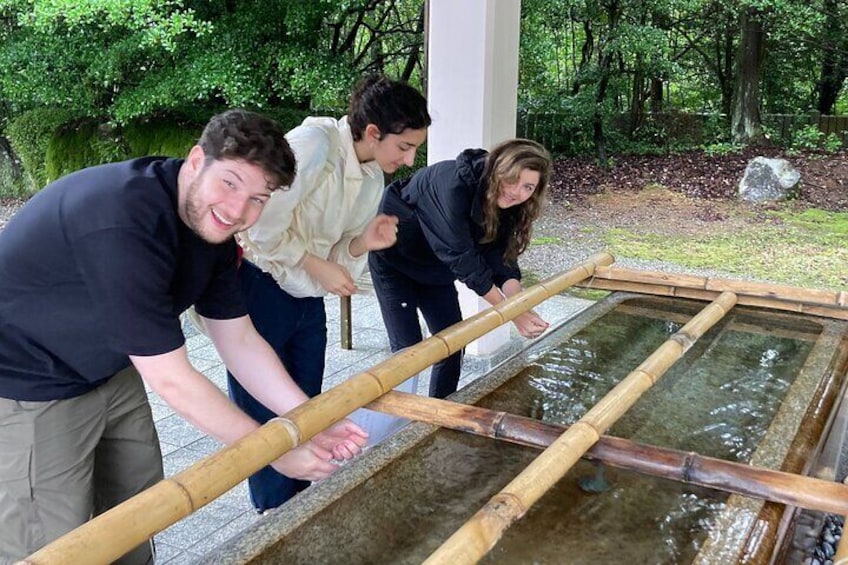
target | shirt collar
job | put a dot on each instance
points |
(353, 168)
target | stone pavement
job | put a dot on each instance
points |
(182, 444)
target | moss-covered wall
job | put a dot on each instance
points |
(51, 143)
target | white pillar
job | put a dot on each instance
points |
(472, 91)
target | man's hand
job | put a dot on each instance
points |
(313, 461)
(344, 439)
(530, 324)
(307, 462)
(331, 276)
(380, 233)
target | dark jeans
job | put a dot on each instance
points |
(400, 299)
(297, 330)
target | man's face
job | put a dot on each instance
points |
(224, 197)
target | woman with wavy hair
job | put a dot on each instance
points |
(466, 219)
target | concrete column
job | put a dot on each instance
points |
(472, 91)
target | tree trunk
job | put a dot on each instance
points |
(656, 94)
(637, 102)
(726, 73)
(606, 56)
(598, 115)
(9, 158)
(585, 56)
(415, 51)
(746, 126)
(834, 58)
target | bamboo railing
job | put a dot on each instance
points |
(673, 464)
(134, 521)
(478, 535)
(830, 304)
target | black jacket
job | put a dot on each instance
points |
(441, 224)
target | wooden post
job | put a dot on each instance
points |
(478, 535)
(110, 535)
(346, 322)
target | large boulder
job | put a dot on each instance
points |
(769, 180)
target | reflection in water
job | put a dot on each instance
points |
(718, 401)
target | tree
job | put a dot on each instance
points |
(125, 59)
(746, 125)
(834, 64)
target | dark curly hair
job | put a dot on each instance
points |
(391, 105)
(504, 165)
(240, 134)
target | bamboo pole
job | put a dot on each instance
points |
(479, 534)
(134, 521)
(830, 304)
(663, 462)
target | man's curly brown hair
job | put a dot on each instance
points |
(240, 134)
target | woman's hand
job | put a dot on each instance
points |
(380, 233)
(530, 324)
(331, 276)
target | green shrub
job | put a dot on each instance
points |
(832, 143)
(807, 137)
(29, 135)
(80, 144)
(811, 137)
(51, 143)
(290, 118)
(722, 148)
(161, 136)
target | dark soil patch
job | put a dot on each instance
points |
(824, 177)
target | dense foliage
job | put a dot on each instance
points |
(123, 59)
(608, 68)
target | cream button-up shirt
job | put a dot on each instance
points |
(331, 201)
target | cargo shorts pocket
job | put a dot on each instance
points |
(15, 472)
(16, 451)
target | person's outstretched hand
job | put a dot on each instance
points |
(306, 462)
(317, 459)
(530, 324)
(343, 439)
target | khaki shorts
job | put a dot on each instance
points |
(64, 461)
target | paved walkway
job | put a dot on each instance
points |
(182, 444)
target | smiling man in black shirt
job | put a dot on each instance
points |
(95, 271)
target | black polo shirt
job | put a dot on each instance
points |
(98, 266)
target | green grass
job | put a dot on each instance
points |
(545, 241)
(807, 249)
(529, 278)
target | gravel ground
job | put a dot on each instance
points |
(7, 210)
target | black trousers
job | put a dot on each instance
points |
(401, 297)
(297, 330)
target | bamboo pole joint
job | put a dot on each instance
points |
(290, 427)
